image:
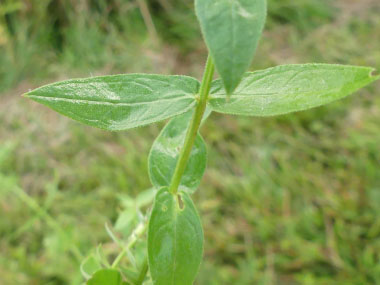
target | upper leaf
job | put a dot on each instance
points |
(165, 152)
(119, 102)
(175, 239)
(232, 29)
(290, 88)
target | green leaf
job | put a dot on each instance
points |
(130, 274)
(232, 29)
(136, 277)
(126, 221)
(290, 88)
(175, 239)
(89, 266)
(145, 198)
(119, 102)
(165, 152)
(106, 277)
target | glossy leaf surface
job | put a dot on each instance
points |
(175, 239)
(106, 277)
(289, 88)
(119, 102)
(232, 29)
(165, 152)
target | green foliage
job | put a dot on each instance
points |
(128, 218)
(246, 215)
(165, 152)
(175, 235)
(119, 102)
(106, 276)
(290, 88)
(232, 30)
(302, 15)
(89, 266)
(175, 239)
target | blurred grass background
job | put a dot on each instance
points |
(286, 200)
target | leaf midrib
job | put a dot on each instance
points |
(323, 91)
(175, 238)
(96, 102)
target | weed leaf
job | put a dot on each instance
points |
(106, 276)
(119, 102)
(89, 266)
(290, 88)
(165, 152)
(232, 29)
(175, 239)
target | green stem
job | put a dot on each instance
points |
(139, 231)
(194, 126)
(143, 272)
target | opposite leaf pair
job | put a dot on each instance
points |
(177, 161)
(122, 102)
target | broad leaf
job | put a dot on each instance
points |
(119, 102)
(106, 277)
(175, 239)
(165, 152)
(290, 88)
(232, 29)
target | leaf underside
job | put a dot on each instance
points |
(120, 102)
(175, 239)
(232, 29)
(290, 88)
(165, 152)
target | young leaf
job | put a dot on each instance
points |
(232, 29)
(119, 102)
(89, 266)
(165, 152)
(106, 276)
(126, 221)
(145, 198)
(175, 239)
(289, 88)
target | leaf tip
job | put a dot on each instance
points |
(231, 85)
(28, 94)
(229, 89)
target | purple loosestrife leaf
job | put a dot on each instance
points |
(175, 239)
(165, 152)
(120, 102)
(232, 29)
(290, 88)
